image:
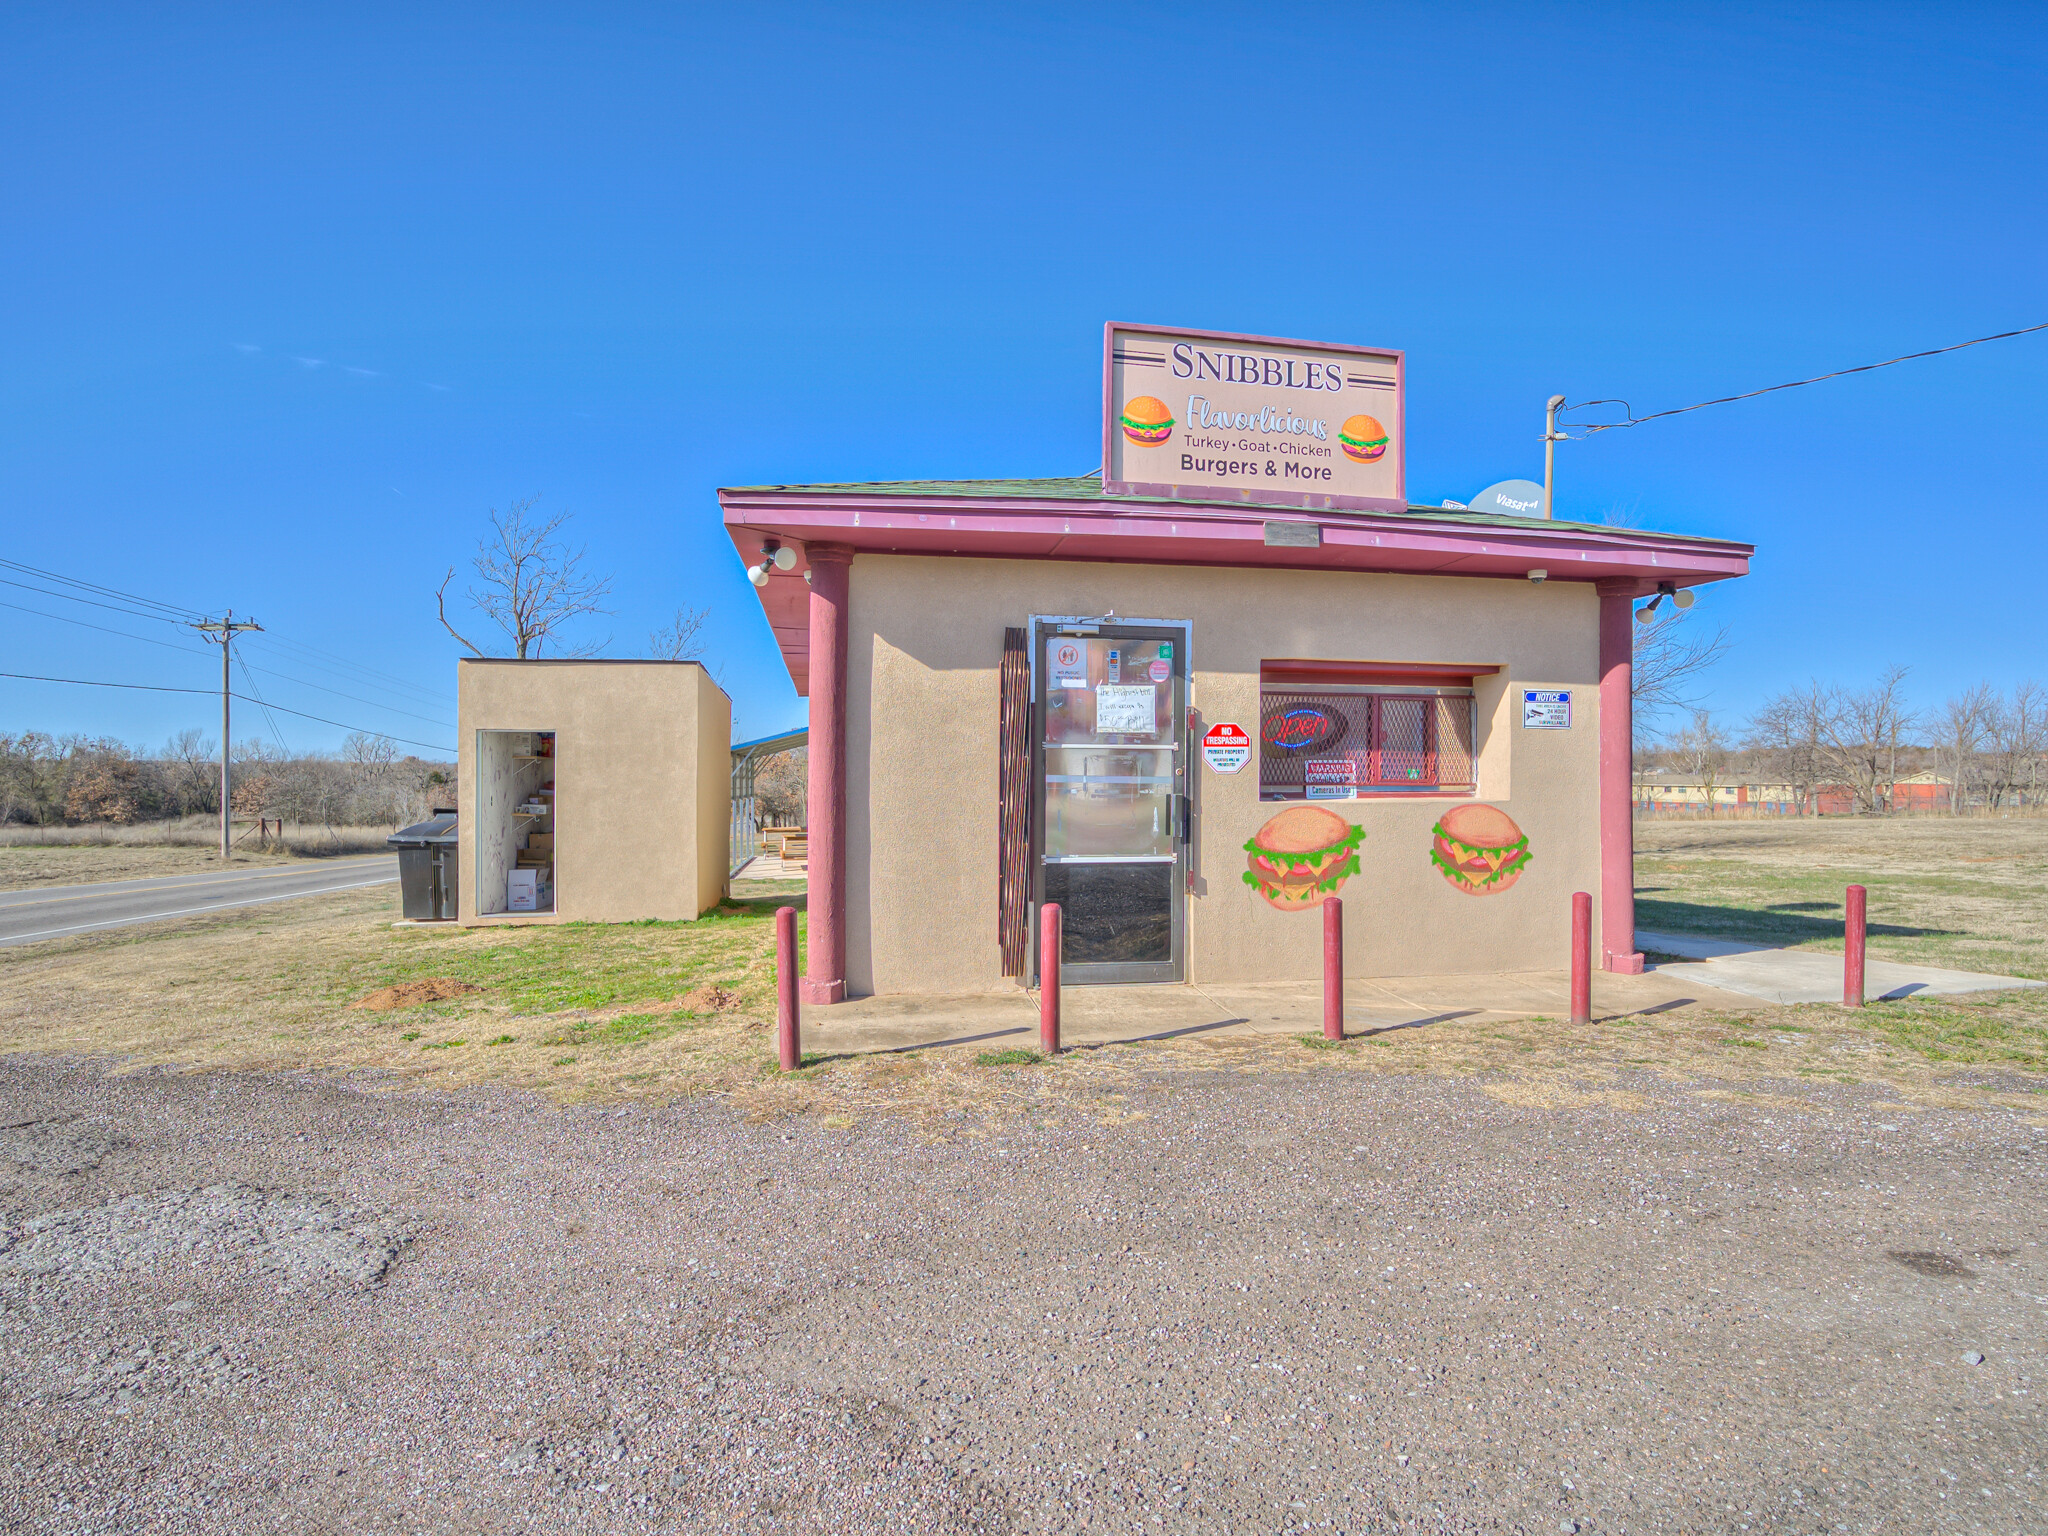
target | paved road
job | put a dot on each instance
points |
(54, 912)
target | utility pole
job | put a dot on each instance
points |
(222, 632)
(1551, 438)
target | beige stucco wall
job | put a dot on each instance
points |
(642, 777)
(922, 773)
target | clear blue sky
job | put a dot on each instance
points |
(289, 301)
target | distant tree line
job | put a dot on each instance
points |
(1991, 747)
(77, 780)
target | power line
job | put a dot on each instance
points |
(72, 597)
(361, 676)
(187, 650)
(354, 698)
(73, 581)
(1637, 421)
(260, 704)
(86, 682)
(65, 619)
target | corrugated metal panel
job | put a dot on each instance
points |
(1013, 893)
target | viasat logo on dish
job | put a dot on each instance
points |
(1147, 421)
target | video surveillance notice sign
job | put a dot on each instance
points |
(1209, 415)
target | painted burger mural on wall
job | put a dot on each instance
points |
(1479, 849)
(1302, 855)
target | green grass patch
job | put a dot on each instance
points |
(501, 1040)
(1318, 1043)
(443, 1045)
(1013, 1057)
(626, 1029)
(2004, 1029)
(574, 966)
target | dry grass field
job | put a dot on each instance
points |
(25, 865)
(1964, 892)
(32, 856)
(677, 1009)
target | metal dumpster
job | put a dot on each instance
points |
(426, 867)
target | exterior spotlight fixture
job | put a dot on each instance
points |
(1647, 614)
(773, 553)
(1539, 575)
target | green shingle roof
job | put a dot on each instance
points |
(1089, 488)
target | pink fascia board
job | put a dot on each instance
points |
(1030, 528)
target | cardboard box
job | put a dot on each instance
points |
(540, 842)
(522, 890)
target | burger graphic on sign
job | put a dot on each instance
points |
(1147, 421)
(1363, 438)
(1479, 849)
(1302, 855)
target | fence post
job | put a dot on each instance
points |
(1582, 957)
(1049, 978)
(1333, 968)
(1852, 949)
(788, 1036)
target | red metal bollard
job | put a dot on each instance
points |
(788, 1037)
(1049, 978)
(1852, 949)
(1333, 968)
(1582, 958)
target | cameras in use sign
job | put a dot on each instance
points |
(1208, 414)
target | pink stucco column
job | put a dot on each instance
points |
(1617, 818)
(825, 957)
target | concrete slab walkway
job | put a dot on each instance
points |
(1802, 976)
(1094, 1016)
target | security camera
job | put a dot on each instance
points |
(1539, 575)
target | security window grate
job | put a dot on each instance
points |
(1333, 743)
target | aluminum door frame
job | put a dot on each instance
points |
(1172, 971)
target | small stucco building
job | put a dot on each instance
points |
(592, 791)
(1187, 718)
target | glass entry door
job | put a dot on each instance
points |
(1112, 795)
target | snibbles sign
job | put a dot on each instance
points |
(1214, 416)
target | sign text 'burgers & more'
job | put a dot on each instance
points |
(1252, 418)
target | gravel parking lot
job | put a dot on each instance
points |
(1214, 1301)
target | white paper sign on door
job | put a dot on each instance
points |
(1125, 708)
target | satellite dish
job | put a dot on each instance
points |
(1510, 498)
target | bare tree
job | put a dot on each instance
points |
(1966, 722)
(194, 771)
(368, 755)
(1668, 662)
(531, 584)
(1861, 734)
(682, 638)
(779, 788)
(1786, 735)
(1701, 751)
(2019, 740)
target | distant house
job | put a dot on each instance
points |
(1657, 792)
(1911, 792)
